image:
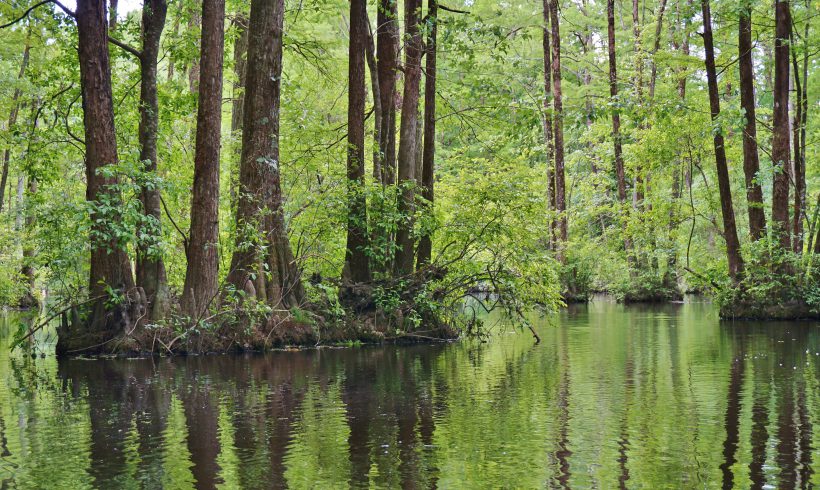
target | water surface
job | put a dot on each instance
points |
(613, 396)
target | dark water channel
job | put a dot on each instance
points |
(635, 397)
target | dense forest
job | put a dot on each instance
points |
(185, 176)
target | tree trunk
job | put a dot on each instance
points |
(112, 15)
(727, 209)
(754, 194)
(356, 261)
(798, 212)
(372, 66)
(638, 190)
(387, 52)
(558, 129)
(240, 63)
(261, 234)
(29, 298)
(150, 265)
(195, 21)
(203, 257)
(109, 264)
(613, 92)
(655, 48)
(13, 120)
(425, 248)
(780, 124)
(547, 122)
(409, 135)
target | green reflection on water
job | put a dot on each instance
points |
(644, 397)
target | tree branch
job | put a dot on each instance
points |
(455, 11)
(55, 2)
(125, 47)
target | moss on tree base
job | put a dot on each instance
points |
(279, 331)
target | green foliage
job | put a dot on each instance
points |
(776, 284)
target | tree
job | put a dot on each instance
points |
(754, 194)
(613, 93)
(387, 52)
(262, 244)
(780, 125)
(547, 119)
(110, 271)
(558, 128)
(408, 137)
(729, 228)
(357, 264)
(13, 120)
(201, 284)
(150, 264)
(425, 247)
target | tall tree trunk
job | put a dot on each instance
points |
(356, 261)
(754, 194)
(29, 298)
(638, 191)
(112, 15)
(387, 52)
(655, 48)
(547, 122)
(203, 257)
(729, 228)
(613, 92)
(13, 120)
(195, 21)
(150, 265)
(240, 63)
(110, 266)
(804, 107)
(798, 212)
(409, 135)
(425, 248)
(372, 66)
(259, 212)
(558, 129)
(780, 124)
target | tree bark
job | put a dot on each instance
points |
(409, 135)
(203, 258)
(729, 228)
(798, 212)
(15, 108)
(751, 166)
(387, 52)
(613, 93)
(558, 129)
(425, 248)
(150, 265)
(655, 48)
(780, 125)
(356, 260)
(547, 122)
(240, 60)
(261, 233)
(372, 66)
(638, 190)
(29, 298)
(112, 15)
(109, 264)
(240, 63)
(195, 21)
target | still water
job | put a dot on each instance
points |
(613, 396)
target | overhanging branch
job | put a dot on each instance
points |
(55, 2)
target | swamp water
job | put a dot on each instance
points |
(644, 397)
